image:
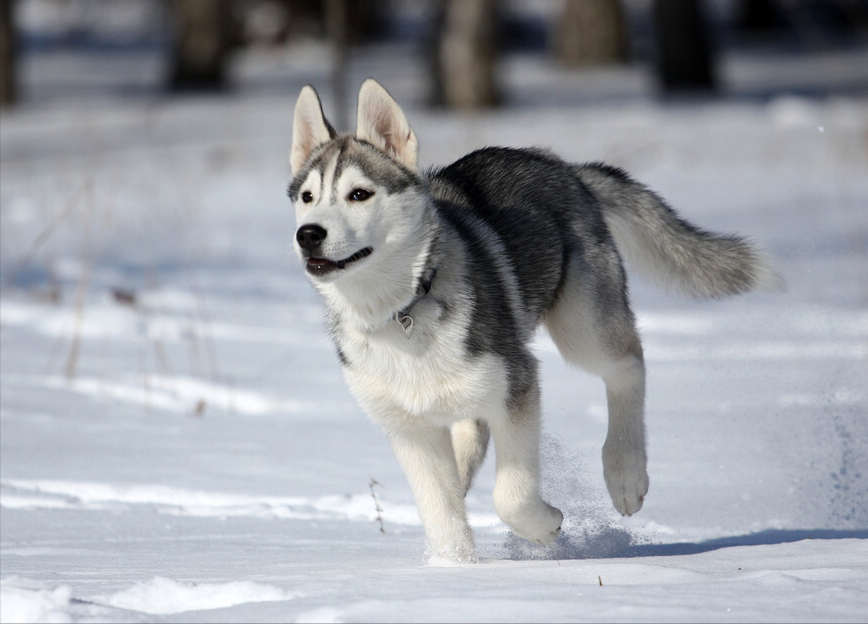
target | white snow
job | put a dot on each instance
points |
(29, 604)
(189, 452)
(162, 595)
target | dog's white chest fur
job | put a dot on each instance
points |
(427, 377)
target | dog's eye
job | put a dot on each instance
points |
(307, 197)
(359, 195)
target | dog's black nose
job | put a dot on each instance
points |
(310, 236)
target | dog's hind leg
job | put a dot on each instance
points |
(517, 497)
(428, 460)
(470, 441)
(624, 459)
(594, 328)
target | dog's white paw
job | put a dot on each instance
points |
(450, 541)
(626, 477)
(462, 552)
(538, 523)
(546, 534)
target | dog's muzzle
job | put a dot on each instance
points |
(310, 238)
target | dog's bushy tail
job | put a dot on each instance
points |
(669, 251)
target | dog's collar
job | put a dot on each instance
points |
(402, 317)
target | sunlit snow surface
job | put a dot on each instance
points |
(178, 444)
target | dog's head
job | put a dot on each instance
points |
(357, 197)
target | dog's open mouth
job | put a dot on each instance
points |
(321, 266)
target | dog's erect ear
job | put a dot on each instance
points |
(381, 122)
(309, 128)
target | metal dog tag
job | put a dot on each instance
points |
(406, 323)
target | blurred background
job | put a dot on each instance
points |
(455, 53)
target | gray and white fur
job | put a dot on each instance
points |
(436, 281)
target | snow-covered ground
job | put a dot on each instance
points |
(178, 444)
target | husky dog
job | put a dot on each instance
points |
(436, 281)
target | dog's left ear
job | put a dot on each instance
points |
(382, 123)
(309, 128)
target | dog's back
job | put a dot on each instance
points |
(548, 212)
(534, 204)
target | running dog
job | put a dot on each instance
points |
(435, 282)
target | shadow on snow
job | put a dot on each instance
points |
(616, 542)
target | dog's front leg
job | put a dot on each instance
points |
(428, 460)
(517, 497)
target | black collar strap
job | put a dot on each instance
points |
(403, 317)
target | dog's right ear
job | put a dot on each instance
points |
(309, 128)
(382, 123)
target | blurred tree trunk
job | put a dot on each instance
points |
(590, 32)
(464, 54)
(8, 91)
(684, 53)
(336, 27)
(758, 15)
(203, 40)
